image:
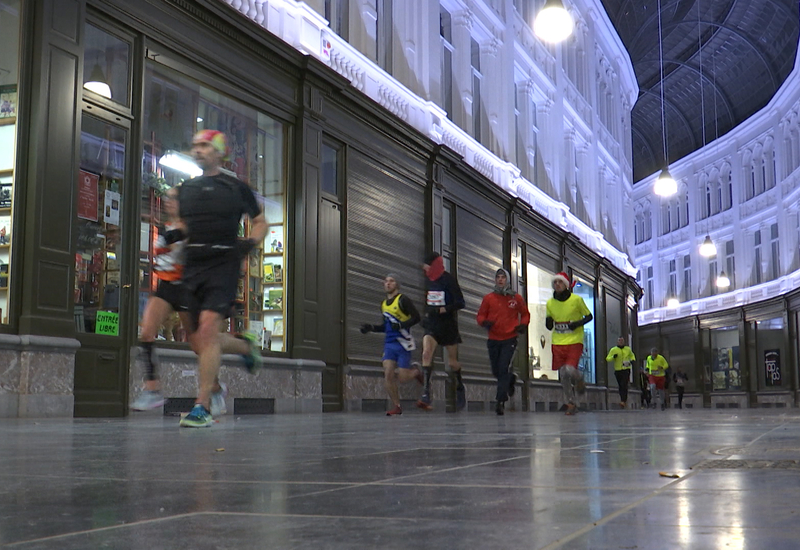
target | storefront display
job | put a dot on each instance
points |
(9, 104)
(587, 362)
(176, 107)
(725, 361)
(540, 355)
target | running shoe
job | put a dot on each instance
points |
(218, 407)
(512, 386)
(148, 400)
(199, 417)
(424, 402)
(461, 397)
(252, 359)
(571, 409)
(395, 411)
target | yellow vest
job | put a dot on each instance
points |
(572, 309)
(657, 366)
(624, 354)
(393, 313)
(394, 310)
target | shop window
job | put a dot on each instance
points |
(725, 364)
(106, 68)
(99, 249)
(771, 356)
(175, 108)
(330, 170)
(9, 77)
(539, 290)
(587, 364)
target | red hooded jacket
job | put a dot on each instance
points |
(506, 312)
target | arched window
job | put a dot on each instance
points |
(727, 186)
(685, 207)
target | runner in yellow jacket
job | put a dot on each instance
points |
(623, 358)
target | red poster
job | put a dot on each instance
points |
(87, 196)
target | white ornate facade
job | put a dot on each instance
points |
(549, 124)
(744, 191)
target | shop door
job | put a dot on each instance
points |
(330, 303)
(102, 288)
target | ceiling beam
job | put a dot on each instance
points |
(742, 36)
(681, 116)
(713, 83)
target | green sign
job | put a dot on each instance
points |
(107, 323)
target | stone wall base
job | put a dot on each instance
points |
(37, 380)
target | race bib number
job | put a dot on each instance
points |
(436, 298)
(407, 343)
(562, 327)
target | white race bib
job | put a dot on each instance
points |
(562, 327)
(407, 343)
(436, 298)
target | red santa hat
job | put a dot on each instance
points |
(564, 278)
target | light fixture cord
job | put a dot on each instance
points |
(700, 57)
(661, 64)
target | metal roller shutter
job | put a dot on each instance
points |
(385, 234)
(479, 254)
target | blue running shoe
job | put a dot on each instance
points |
(218, 406)
(199, 417)
(252, 359)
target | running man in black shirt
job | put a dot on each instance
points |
(442, 302)
(211, 207)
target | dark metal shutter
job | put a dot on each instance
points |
(479, 254)
(385, 234)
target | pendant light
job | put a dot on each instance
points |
(553, 23)
(708, 248)
(97, 82)
(665, 185)
(723, 281)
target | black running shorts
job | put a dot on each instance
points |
(174, 293)
(211, 287)
(444, 332)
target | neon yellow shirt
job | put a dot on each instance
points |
(622, 355)
(657, 366)
(571, 309)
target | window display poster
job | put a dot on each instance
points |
(8, 101)
(87, 196)
(111, 208)
(772, 366)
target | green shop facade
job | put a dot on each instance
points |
(99, 101)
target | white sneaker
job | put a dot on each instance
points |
(148, 400)
(218, 407)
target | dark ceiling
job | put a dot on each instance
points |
(747, 48)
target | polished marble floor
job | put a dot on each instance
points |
(420, 481)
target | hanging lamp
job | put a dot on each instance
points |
(553, 23)
(97, 82)
(665, 185)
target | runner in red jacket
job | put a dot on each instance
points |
(504, 314)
